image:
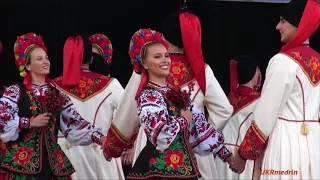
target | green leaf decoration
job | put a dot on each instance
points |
(21, 68)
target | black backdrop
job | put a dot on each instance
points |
(228, 29)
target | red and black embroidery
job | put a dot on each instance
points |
(253, 143)
(243, 98)
(309, 61)
(116, 143)
(90, 84)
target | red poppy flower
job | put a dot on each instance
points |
(174, 158)
(59, 158)
(23, 155)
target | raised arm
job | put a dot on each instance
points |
(160, 128)
(77, 130)
(204, 139)
(219, 108)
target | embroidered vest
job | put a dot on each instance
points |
(309, 61)
(36, 150)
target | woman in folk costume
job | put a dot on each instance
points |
(188, 71)
(96, 97)
(175, 129)
(286, 120)
(32, 113)
(245, 78)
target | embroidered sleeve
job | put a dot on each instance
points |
(204, 139)
(216, 102)
(160, 128)
(276, 90)
(77, 130)
(10, 122)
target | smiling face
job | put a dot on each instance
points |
(286, 30)
(156, 61)
(38, 62)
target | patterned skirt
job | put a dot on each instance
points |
(176, 162)
(18, 176)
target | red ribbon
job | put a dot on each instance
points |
(72, 59)
(191, 38)
(143, 83)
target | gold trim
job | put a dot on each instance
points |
(83, 100)
(119, 135)
(258, 132)
(313, 84)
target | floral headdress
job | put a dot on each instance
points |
(138, 44)
(22, 48)
(104, 46)
(137, 50)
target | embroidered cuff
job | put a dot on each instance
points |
(96, 137)
(116, 143)
(24, 123)
(224, 153)
(252, 144)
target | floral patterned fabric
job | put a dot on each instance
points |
(169, 153)
(308, 61)
(25, 153)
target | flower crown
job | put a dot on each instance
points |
(138, 44)
(104, 46)
(23, 46)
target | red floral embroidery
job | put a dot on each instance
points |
(253, 143)
(90, 84)
(178, 70)
(59, 157)
(174, 158)
(315, 66)
(309, 61)
(84, 85)
(23, 155)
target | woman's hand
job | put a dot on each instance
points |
(40, 120)
(187, 114)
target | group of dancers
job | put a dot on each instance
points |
(173, 116)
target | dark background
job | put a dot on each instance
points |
(228, 29)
